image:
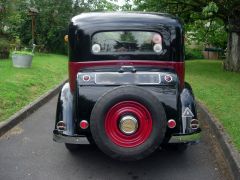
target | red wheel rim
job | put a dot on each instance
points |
(144, 124)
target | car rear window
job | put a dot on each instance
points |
(127, 42)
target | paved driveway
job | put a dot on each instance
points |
(28, 152)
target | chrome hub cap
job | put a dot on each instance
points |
(128, 124)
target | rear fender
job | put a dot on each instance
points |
(188, 109)
(65, 110)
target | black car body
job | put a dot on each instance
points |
(126, 91)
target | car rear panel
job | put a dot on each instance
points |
(88, 92)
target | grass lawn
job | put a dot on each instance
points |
(219, 91)
(19, 86)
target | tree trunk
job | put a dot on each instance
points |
(232, 62)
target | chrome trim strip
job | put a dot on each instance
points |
(94, 78)
(137, 73)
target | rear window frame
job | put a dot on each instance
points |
(164, 47)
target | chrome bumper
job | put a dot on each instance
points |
(193, 138)
(176, 138)
(62, 138)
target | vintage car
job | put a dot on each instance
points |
(126, 92)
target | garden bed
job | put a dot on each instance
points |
(19, 87)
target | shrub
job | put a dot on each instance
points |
(193, 54)
(23, 53)
(4, 48)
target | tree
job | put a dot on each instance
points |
(127, 6)
(207, 33)
(2, 15)
(51, 22)
(102, 5)
(227, 11)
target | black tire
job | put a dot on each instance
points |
(91, 140)
(128, 93)
(72, 147)
(166, 140)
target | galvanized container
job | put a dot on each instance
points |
(22, 60)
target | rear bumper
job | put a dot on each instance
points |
(63, 138)
(192, 138)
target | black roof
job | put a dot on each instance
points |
(85, 25)
(120, 18)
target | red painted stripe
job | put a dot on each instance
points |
(74, 67)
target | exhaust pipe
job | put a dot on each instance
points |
(194, 124)
(61, 126)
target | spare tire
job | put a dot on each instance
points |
(128, 123)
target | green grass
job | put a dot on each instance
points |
(219, 91)
(20, 86)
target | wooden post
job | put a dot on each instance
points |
(33, 13)
(33, 29)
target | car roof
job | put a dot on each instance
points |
(120, 18)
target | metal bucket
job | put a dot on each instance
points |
(22, 61)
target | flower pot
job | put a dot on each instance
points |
(22, 60)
